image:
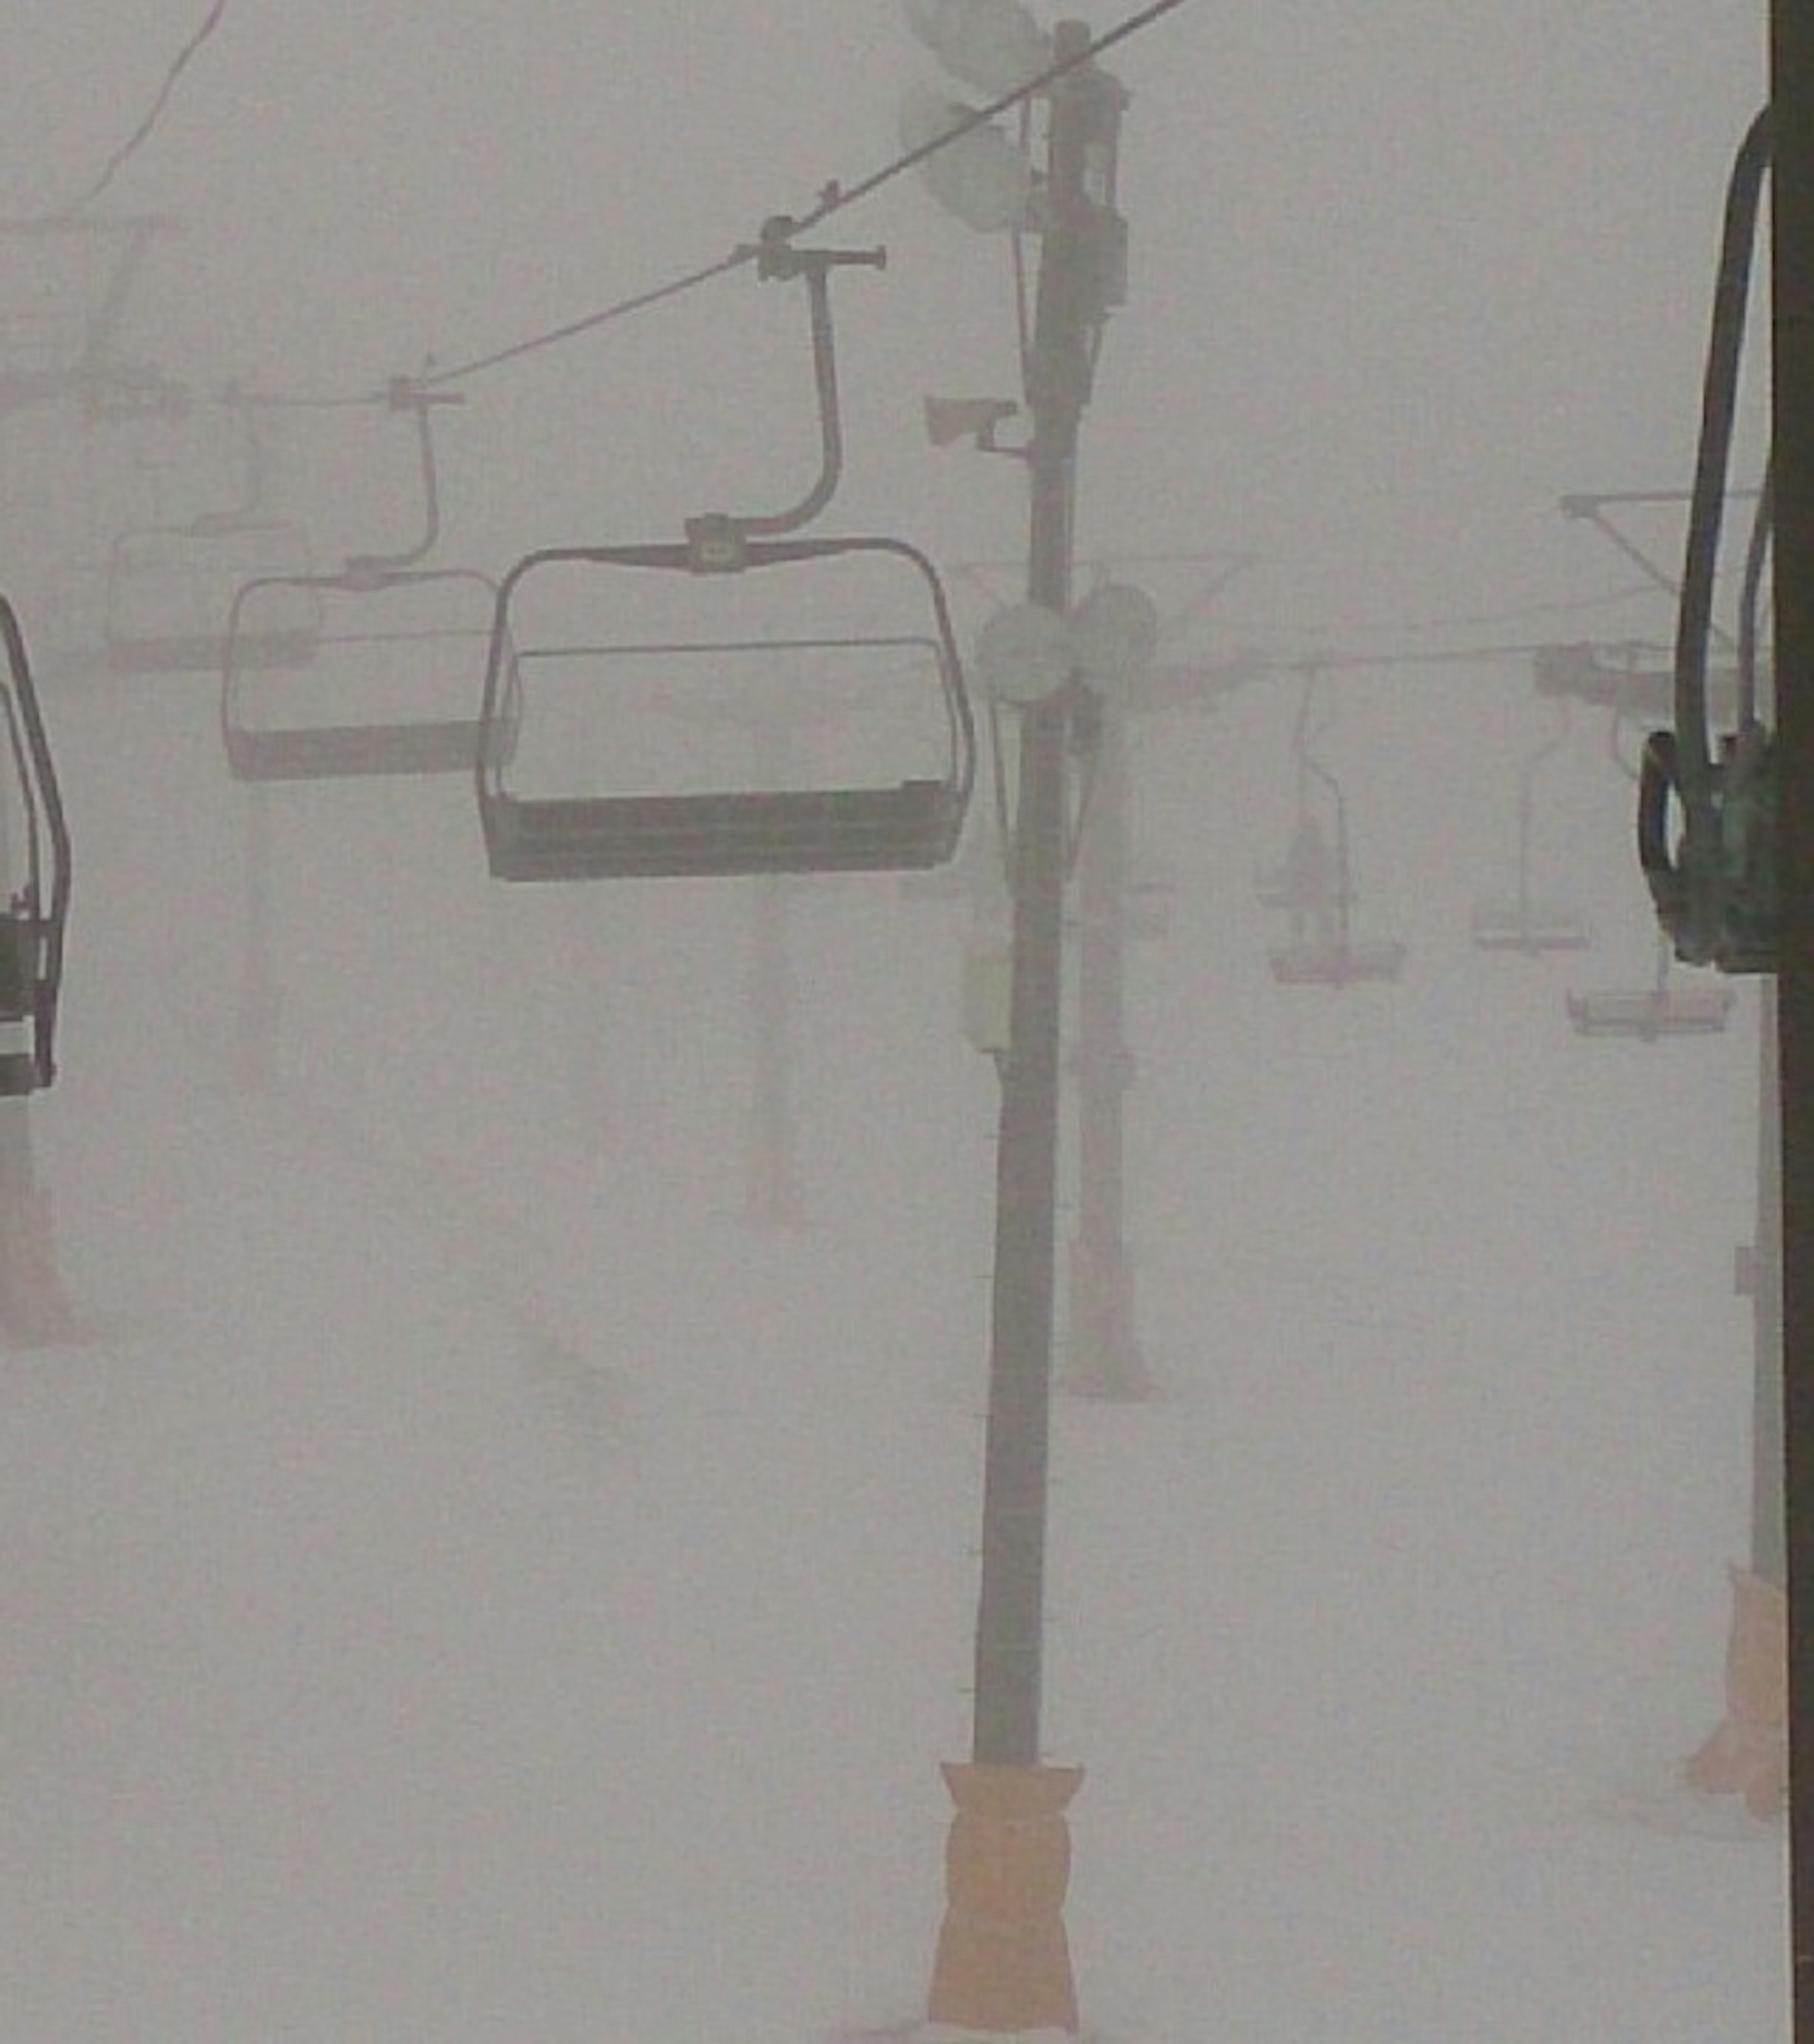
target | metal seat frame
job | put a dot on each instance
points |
(364, 749)
(1524, 925)
(1323, 950)
(347, 750)
(1649, 1014)
(911, 826)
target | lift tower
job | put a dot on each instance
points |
(1792, 320)
(1003, 1964)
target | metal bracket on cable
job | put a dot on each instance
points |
(370, 571)
(717, 539)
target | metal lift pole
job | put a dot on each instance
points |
(1105, 1358)
(1792, 214)
(1011, 1615)
(1003, 1961)
(1768, 1531)
(772, 1197)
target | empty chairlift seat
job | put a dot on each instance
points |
(1650, 1014)
(1666, 1008)
(1338, 961)
(170, 589)
(394, 687)
(633, 752)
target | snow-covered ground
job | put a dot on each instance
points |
(467, 1584)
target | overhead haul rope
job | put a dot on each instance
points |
(834, 198)
(142, 134)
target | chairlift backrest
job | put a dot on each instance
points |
(911, 825)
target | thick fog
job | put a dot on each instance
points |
(495, 1375)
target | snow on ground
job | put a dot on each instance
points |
(466, 1585)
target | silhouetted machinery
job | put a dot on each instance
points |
(35, 849)
(1707, 810)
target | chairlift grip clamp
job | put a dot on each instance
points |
(777, 257)
(409, 393)
(716, 544)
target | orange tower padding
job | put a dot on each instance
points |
(1748, 1753)
(1004, 1962)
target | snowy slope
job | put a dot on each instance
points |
(467, 1585)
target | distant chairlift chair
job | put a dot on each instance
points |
(169, 588)
(322, 749)
(1522, 925)
(1314, 886)
(912, 824)
(1649, 1014)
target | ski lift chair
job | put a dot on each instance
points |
(1649, 1014)
(1319, 896)
(1713, 882)
(363, 745)
(1314, 886)
(36, 905)
(1339, 963)
(170, 587)
(911, 825)
(360, 745)
(1522, 923)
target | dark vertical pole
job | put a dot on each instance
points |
(1792, 214)
(772, 1197)
(256, 1047)
(1010, 1615)
(1768, 1531)
(1105, 1360)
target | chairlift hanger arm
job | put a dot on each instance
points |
(1713, 456)
(913, 824)
(1756, 555)
(255, 470)
(777, 259)
(404, 393)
